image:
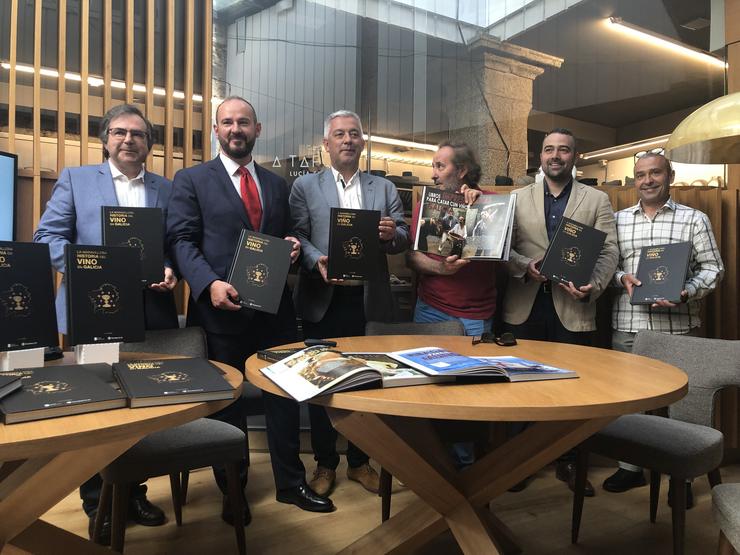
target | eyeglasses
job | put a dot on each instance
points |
(506, 340)
(659, 150)
(120, 133)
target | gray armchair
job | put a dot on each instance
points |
(726, 509)
(683, 446)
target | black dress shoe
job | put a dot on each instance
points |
(624, 480)
(305, 498)
(566, 472)
(689, 496)
(228, 516)
(104, 538)
(141, 511)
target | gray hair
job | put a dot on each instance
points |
(340, 114)
(120, 110)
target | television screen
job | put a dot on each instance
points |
(8, 176)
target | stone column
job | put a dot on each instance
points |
(504, 74)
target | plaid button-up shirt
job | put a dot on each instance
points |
(673, 223)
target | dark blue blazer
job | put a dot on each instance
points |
(204, 220)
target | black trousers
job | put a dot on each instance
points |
(345, 317)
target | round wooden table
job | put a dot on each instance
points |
(393, 427)
(45, 460)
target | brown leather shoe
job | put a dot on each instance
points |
(365, 475)
(323, 481)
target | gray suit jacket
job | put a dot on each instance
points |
(311, 199)
(73, 214)
(529, 242)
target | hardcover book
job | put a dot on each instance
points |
(60, 391)
(259, 269)
(27, 316)
(447, 226)
(573, 253)
(141, 229)
(105, 302)
(662, 273)
(354, 245)
(9, 382)
(435, 361)
(149, 383)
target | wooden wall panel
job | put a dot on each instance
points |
(84, 88)
(37, 112)
(187, 124)
(61, 84)
(169, 110)
(13, 52)
(130, 51)
(107, 53)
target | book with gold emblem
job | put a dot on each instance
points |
(27, 316)
(60, 391)
(141, 229)
(259, 269)
(354, 245)
(573, 252)
(105, 302)
(149, 383)
(662, 273)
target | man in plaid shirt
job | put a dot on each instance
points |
(657, 220)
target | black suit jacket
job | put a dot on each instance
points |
(204, 220)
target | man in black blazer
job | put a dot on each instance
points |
(210, 205)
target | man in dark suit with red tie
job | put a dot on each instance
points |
(211, 203)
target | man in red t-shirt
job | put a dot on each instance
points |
(450, 288)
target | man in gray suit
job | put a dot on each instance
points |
(73, 216)
(335, 308)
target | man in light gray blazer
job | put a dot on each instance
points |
(334, 308)
(73, 216)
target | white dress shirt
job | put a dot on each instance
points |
(350, 193)
(129, 192)
(232, 168)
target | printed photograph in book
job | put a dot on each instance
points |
(447, 226)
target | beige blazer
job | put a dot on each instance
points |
(529, 242)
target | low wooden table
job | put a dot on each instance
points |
(45, 460)
(393, 427)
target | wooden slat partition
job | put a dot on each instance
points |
(13, 23)
(149, 79)
(187, 123)
(130, 51)
(107, 53)
(37, 112)
(84, 88)
(169, 110)
(207, 81)
(61, 84)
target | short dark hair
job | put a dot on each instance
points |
(236, 97)
(464, 157)
(563, 131)
(667, 162)
(120, 110)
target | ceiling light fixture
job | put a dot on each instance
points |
(626, 148)
(399, 142)
(635, 32)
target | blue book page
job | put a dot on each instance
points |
(434, 360)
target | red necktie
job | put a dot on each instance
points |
(250, 198)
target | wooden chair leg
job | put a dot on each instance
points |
(119, 516)
(678, 513)
(654, 494)
(385, 491)
(184, 480)
(714, 477)
(580, 487)
(176, 488)
(103, 510)
(237, 509)
(724, 547)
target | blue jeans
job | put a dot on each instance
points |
(427, 314)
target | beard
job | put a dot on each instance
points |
(237, 152)
(555, 174)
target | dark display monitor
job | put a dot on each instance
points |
(8, 181)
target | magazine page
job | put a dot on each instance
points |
(395, 373)
(521, 369)
(441, 228)
(316, 370)
(488, 224)
(438, 361)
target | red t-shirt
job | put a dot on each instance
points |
(470, 293)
